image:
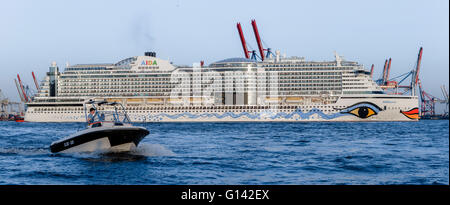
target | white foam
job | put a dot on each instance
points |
(151, 150)
(24, 151)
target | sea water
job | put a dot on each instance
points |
(237, 153)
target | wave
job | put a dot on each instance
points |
(24, 151)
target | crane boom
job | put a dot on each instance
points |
(244, 45)
(383, 80)
(444, 92)
(371, 71)
(18, 90)
(35, 81)
(419, 60)
(258, 39)
(22, 88)
(388, 70)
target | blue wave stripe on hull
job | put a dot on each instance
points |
(267, 114)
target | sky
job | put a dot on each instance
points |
(35, 33)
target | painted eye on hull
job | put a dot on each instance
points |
(362, 110)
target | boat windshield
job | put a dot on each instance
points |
(100, 112)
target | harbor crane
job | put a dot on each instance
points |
(445, 101)
(35, 81)
(25, 92)
(371, 71)
(261, 49)
(394, 85)
(8, 109)
(428, 102)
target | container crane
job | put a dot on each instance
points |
(444, 93)
(396, 83)
(415, 74)
(23, 89)
(35, 81)
(386, 78)
(371, 71)
(258, 40)
(428, 102)
(381, 80)
(244, 45)
(22, 99)
(445, 101)
(261, 49)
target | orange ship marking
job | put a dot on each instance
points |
(411, 114)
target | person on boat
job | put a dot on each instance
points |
(102, 117)
(92, 116)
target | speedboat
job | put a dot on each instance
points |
(109, 130)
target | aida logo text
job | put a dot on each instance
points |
(149, 62)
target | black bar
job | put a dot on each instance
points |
(228, 194)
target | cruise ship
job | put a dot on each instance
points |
(279, 88)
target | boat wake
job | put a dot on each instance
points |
(142, 152)
(26, 151)
(151, 150)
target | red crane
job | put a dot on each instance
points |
(258, 39)
(383, 79)
(22, 88)
(244, 45)
(388, 70)
(419, 60)
(371, 71)
(35, 81)
(394, 84)
(18, 90)
(428, 102)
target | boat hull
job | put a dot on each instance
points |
(101, 140)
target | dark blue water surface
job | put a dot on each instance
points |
(237, 153)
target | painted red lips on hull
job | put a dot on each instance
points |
(411, 114)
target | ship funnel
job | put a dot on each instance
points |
(151, 54)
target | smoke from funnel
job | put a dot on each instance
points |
(142, 33)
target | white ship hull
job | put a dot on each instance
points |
(345, 109)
